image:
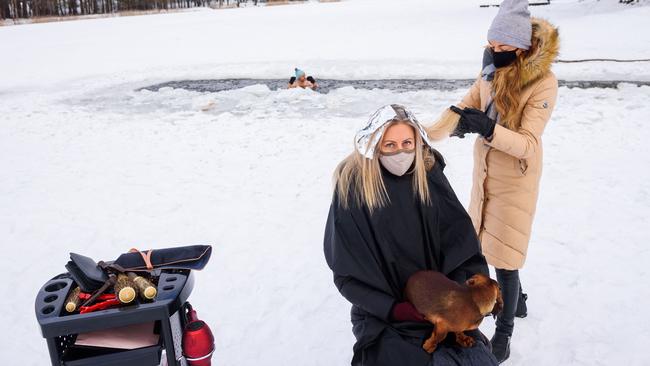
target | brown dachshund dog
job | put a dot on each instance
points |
(452, 307)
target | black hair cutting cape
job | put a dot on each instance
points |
(372, 257)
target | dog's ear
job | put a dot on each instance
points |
(471, 281)
(498, 305)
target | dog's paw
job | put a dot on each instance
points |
(429, 346)
(429, 349)
(464, 340)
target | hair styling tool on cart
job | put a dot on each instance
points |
(84, 296)
(125, 289)
(198, 341)
(73, 301)
(109, 283)
(145, 288)
(100, 306)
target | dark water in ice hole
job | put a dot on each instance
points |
(325, 85)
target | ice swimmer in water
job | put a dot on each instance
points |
(301, 80)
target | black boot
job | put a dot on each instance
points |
(509, 282)
(501, 346)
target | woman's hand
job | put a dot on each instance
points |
(473, 121)
(406, 312)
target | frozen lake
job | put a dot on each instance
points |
(326, 85)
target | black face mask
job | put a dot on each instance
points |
(503, 59)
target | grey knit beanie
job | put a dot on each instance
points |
(512, 24)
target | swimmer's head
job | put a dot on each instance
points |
(300, 75)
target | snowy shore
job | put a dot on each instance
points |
(91, 164)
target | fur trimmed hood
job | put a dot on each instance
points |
(534, 66)
(543, 52)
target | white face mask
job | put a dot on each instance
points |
(399, 162)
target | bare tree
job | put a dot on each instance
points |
(15, 9)
(4, 9)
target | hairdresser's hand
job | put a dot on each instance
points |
(461, 128)
(406, 312)
(473, 121)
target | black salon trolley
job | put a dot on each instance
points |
(167, 311)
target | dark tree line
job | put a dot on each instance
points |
(15, 9)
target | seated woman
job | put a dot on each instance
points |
(301, 80)
(394, 213)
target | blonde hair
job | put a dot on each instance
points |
(359, 179)
(444, 126)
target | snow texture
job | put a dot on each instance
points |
(91, 165)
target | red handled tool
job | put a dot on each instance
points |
(100, 306)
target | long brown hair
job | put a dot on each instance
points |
(358, 179)
(509, 82)
(507, 88)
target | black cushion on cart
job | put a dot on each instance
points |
(85, 272)
(190, 257)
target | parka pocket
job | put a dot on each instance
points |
(521, 165)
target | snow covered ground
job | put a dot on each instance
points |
(90, 165)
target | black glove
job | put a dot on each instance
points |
(461, 128)
(292, 80)
(311, 79)
(473, 121)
